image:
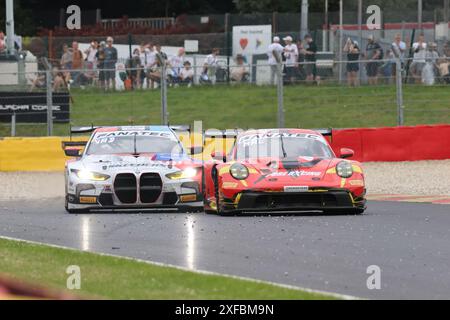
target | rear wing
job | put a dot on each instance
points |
(324, 132)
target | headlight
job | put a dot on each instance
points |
(185, 174)
(344, 169)
(239, 171)
(89, 175)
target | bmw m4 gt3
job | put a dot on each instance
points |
(138, 167)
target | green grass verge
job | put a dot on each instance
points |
(116, 278)
(255, 107)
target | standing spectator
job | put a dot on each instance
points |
(388, 67)
(291, 55)
(91, 54)
(133, 66)
(310, 58)
(77, 62)
(187, 74)
(353, 54)
(210, 66)
(150, 64)
(420, 51)
(2, 41)
(100, 55)
(143, 57)
(301, 60)
(399, 48)
(66, 58)
(444, 70)
(429, 70)
(176, 64)
(374, 53)
(274, 53)
(240, 72)
(110, 64)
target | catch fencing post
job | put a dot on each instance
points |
(164, 114)
(399, 86)
(280, 92)
(13, 125)
(48, 73)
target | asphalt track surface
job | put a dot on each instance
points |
(409, 242)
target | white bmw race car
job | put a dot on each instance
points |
(135, 167)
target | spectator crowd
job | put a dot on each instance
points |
(288, 60)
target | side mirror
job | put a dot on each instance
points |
(72, 152)
(217, 155)
(196, 150)
(346, 153)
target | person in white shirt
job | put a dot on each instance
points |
(399, 47)
(210, 66)
(187, 74)
(148, 61)
(176, 64)
(274, 53)
(420, 51)
(240, 72)
(91, 53)
(291, 55)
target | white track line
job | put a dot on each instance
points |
(203, 272)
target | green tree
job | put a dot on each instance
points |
(23, 22)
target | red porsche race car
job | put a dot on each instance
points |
(283, 170)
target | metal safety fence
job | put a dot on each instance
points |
(230, 93)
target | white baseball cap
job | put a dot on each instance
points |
(276, 39)
(288, 38)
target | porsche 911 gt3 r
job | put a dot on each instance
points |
(284, 170)
(136, 167)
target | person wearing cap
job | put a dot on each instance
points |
(373, 54)
(431, 65)
(274, 53)
(310, 59)
(353, 54)
(187, 74)
(291, 55)
(110, 64)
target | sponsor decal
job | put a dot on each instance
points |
(88, 199)
(253, 139)
(296, 188)
(356, 183)
(110, 137)
(138, 165)
(230, 185)
(188, 198)
(295, 174)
